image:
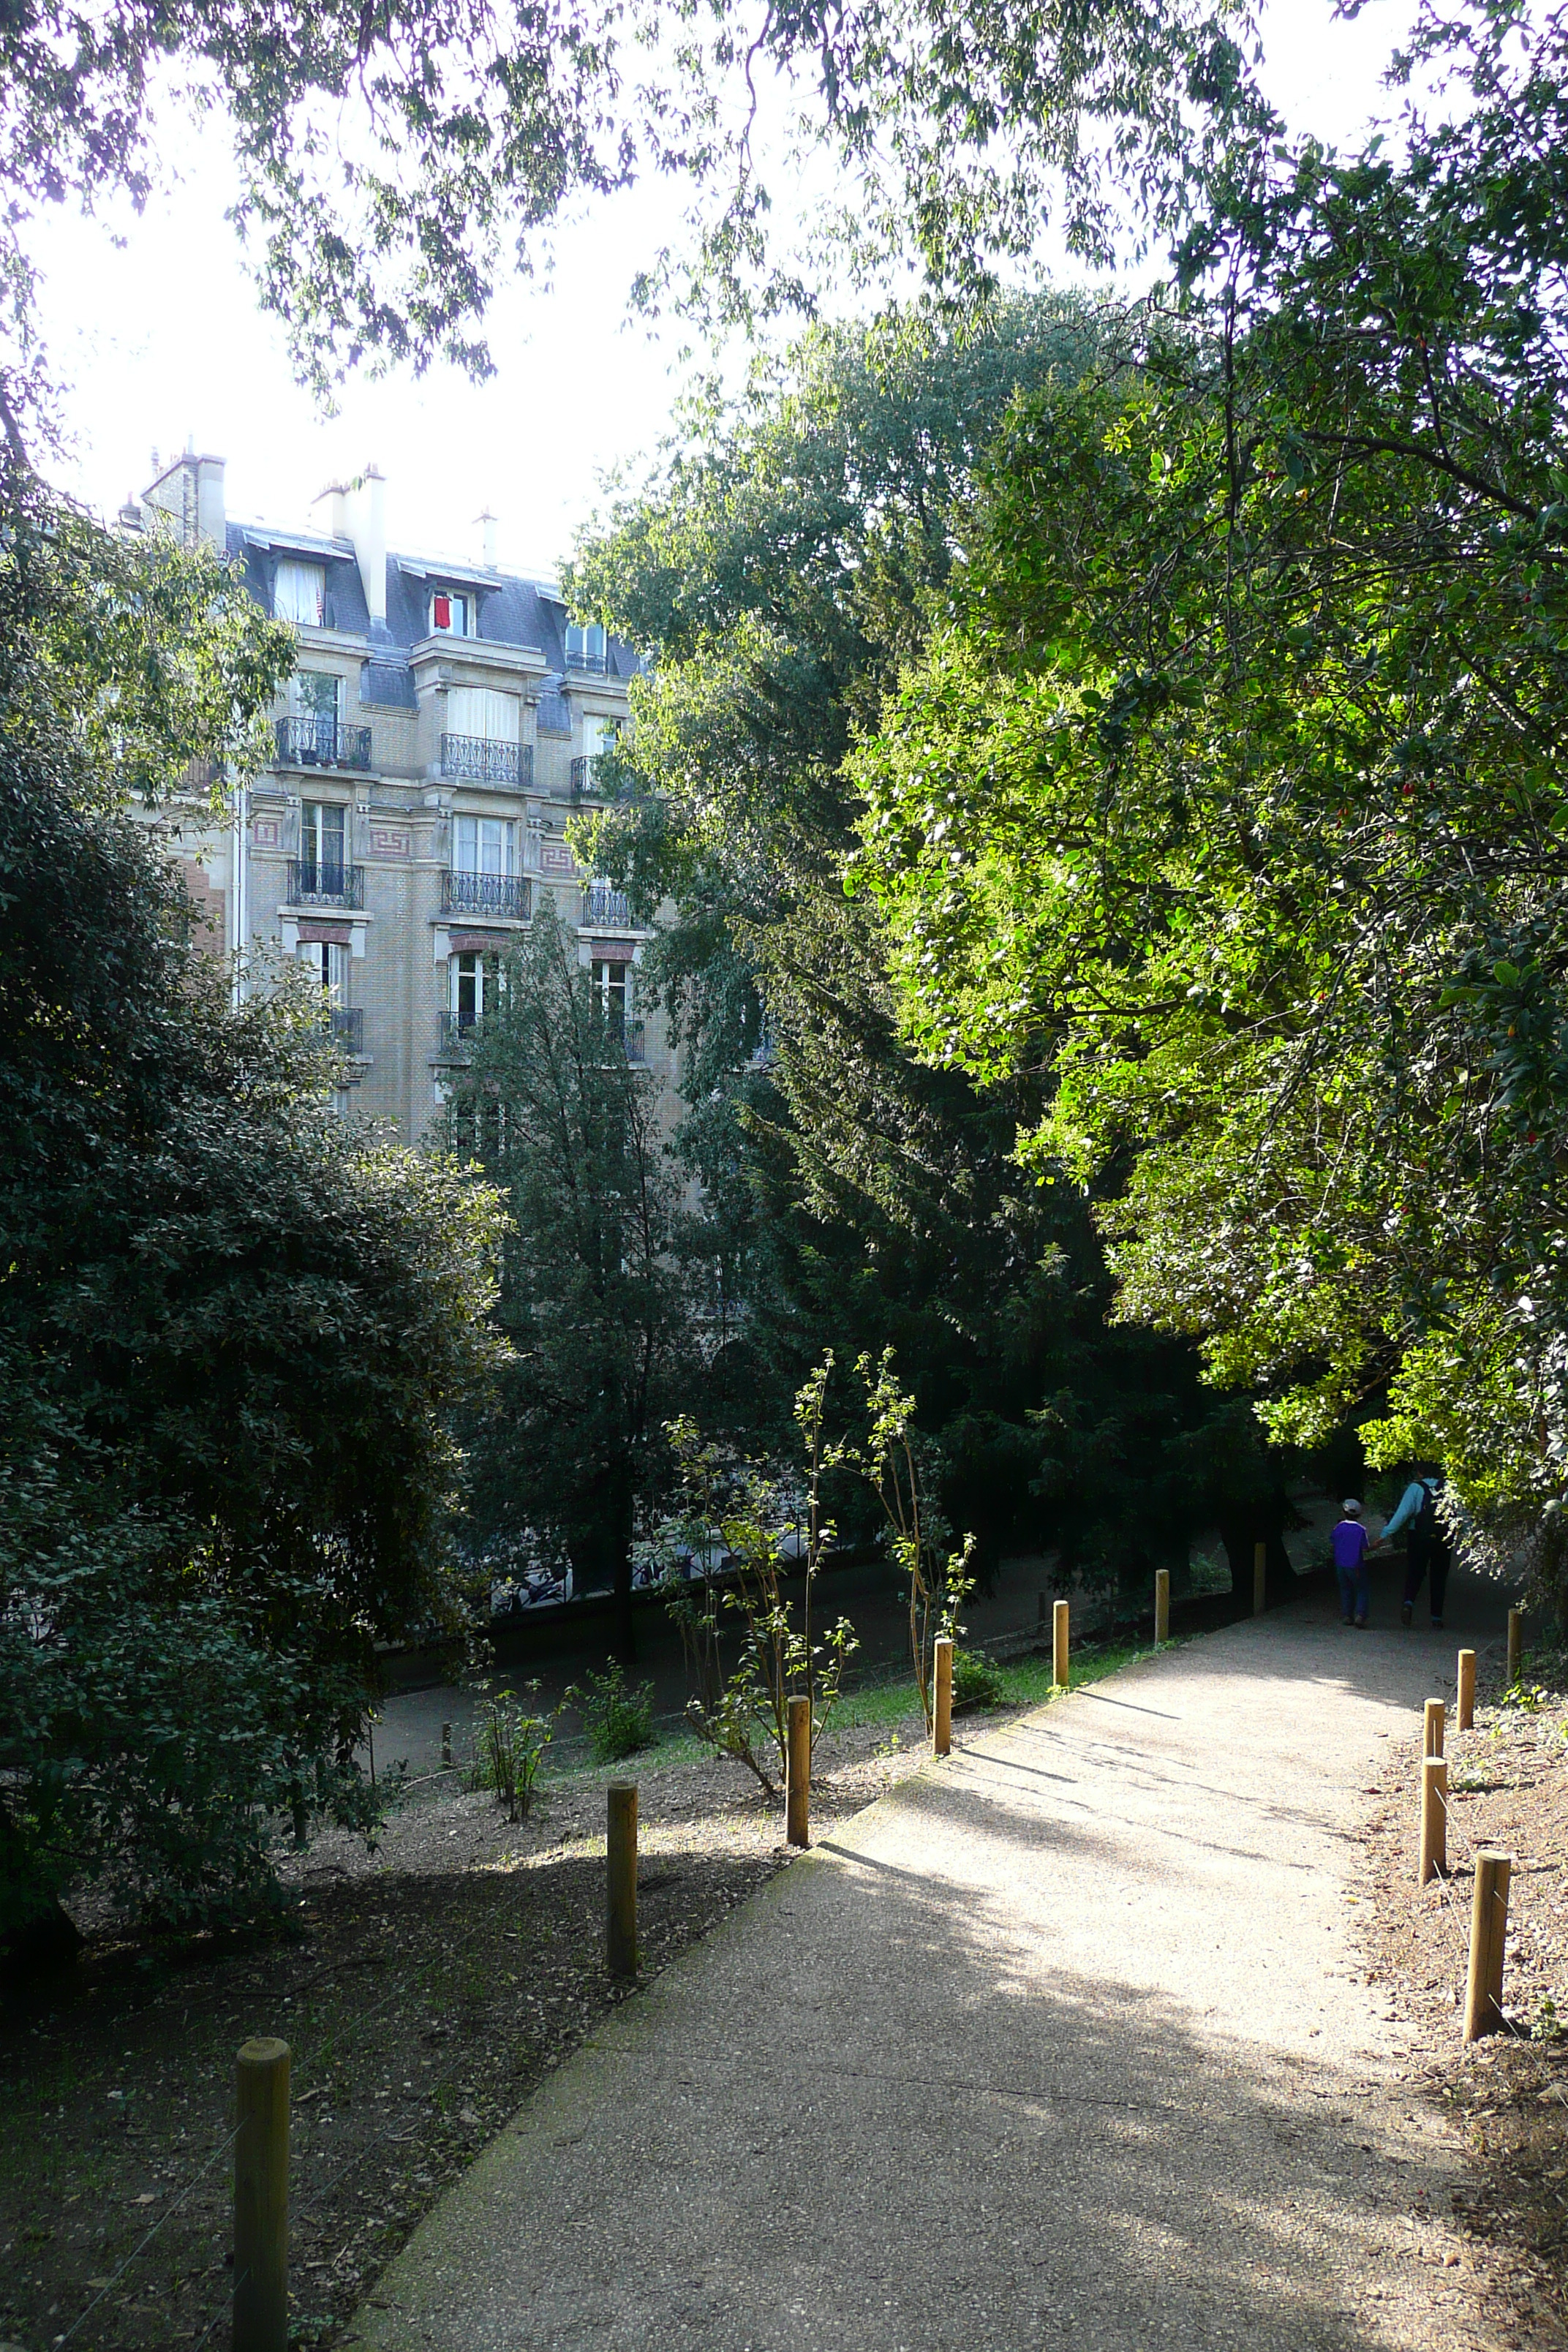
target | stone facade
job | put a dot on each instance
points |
(443, 726)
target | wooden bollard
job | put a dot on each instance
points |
(446, 1743)
(261, 2198)
(1259, 1577)
(798, 1774)
(1465, 1714)
(1432, 1728)
(1161, 1605)
(1434, 1818)
(1061, 1669)
(621, 1880)
(1489, 1934)
(942, 1713)
(1515, 1645)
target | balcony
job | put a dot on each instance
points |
(345, 1026)
(506, 895)
(632, 1038)
(322, 743)
(581, 657)
(584, 775)
(452, 1032)
(324, 882)
(601, 905)
(480, 760)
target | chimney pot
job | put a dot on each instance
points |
(487, 523)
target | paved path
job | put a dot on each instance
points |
(1061, 2043)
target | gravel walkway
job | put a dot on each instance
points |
(1066, 2042)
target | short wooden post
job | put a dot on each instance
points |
(798, 1774)
(941, 1714)
(446, 1743)
(1466, 1716)
(1259, 1577)
(261, 2198)
(1489, 1934)
(1515, 1645)
(621, 1880)
(1161, 1605)
(1432, 1728)
(1434, 1818)
(1061, 1668)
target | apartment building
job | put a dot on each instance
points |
(445, 721)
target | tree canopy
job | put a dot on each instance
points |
(394, 155)
(791, 553)
(232, 1330)
(1234, 797)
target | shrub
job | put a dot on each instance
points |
(619, 1721)
(509, 1749)
(976, 1682)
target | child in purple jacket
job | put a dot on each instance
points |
(1350, 1541)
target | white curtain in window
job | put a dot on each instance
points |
(299, 593)
(328, 963)
(489, 717)
(482, 844)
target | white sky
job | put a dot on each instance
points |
(161, 338)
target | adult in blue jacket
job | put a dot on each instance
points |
(1427, 1556)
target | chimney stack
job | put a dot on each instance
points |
(190, 492)
(487, 523)
(366, 520)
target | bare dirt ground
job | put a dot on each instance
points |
(1508, 2094)
(424, 1990)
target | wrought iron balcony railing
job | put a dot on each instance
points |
(508, 895)
(322, 743)
(345, 1026)
(579, 658)
(452, 1032)
(481, 760)
(324, 882)
(632, 1038)
(602, 905)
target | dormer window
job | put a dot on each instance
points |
(450, 615)
(585, 648)
(300, 594)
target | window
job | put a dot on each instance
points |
(314, 694)
(586, 646)
(450, 615)
(476, 986)
(612, 992)
(323, 841)
(300, 594)
(482, 844)
(327, 961)
(480, 712)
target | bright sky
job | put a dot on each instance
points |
(161, 338)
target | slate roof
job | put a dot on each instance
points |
(512, 611)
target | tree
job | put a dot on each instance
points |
(591, 1299)
(230, 1330)
(791, 553)
(1234, 795)
(391, 154)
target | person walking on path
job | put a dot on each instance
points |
(1427, 1548)
(1351, 1543)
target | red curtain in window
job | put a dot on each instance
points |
(442, 610)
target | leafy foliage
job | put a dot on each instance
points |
(230, 1331)
(618, 1719)
(1235, 794)
(592, 1303)
(744, 1531)
(791, 555)
(392, 157)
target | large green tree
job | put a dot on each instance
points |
(232, 1332)
(790, 554)
(593, 1303)
(1239, 783)
(394, 155)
